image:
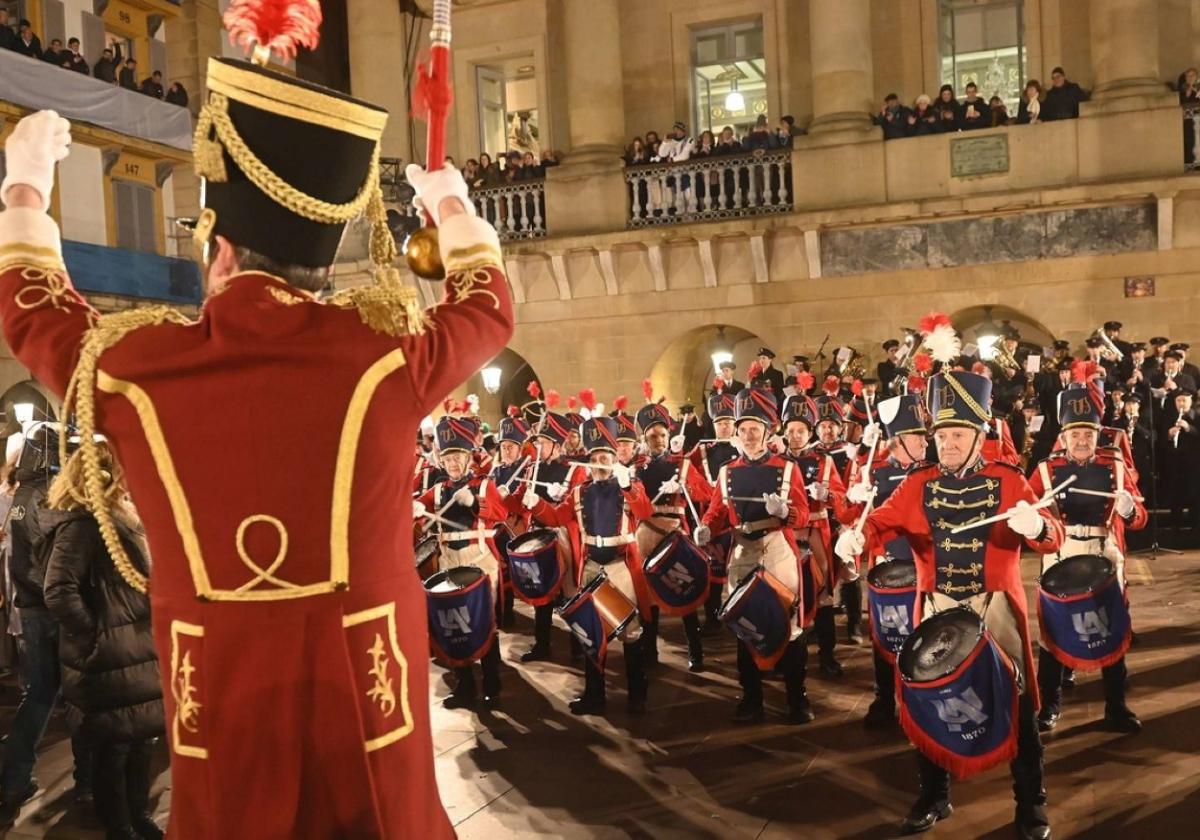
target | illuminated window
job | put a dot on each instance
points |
(729, 77)
(983, 42)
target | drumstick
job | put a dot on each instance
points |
(862, 517)
(441, 520)
(1084, 492)
(1045, 501)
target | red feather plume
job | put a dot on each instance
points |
(831, 385)
(620, 402)
(916, 384)
(752, 372)
(805, 381)
(857, 388)
(980, 368)
(446, 404)
(514, 412)
(552, 398)
(278, 25)
(534, 389)
(1083, 371)
(719, 385)
(922, 363)
(588, 397)
(648, 390)
(571, 402)
(932, 321)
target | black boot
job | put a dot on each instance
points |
(491, 674)
(1050, 681)
(826, 640)
(750, 706)
(650, 639)
(882, 712)
(691, 629)
(712, 606)
(635, 677)
(852, 597)
(1028, 772)
(463, 696)
(1068, 680)
(934, 802)
(509, 616)
(591, 702)
(1117, 716)
(542, 619)
(794, 664)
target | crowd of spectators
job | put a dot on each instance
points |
(109, 68)
(678, 146)
(515, 166)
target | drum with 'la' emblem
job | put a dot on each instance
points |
(462, 615)
(1082, 612)
(891, 599)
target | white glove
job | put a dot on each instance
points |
(623, 478)
(702, 535)
(418, 510)
(669, 487)
(850, 544)
(1124, 503)
(503, 491)
(851, 450)
(530, 499)
(463, 496)
(1026, 520)
(676, 444)
(818, 492)
(870, 435)
(859, 493)
(37, 143)
(556, 491)
(433, 187)
(777, 506)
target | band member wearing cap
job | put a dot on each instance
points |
(1182, 348)
(1180, 442)
(831, 422)
(826, 492)
(889, 368)
(507, 466)
(667, 476)
(601, 514)
(762, 535)
(428, 471)
(729, 385)
(1158, 346)
(1094, 524)
(769, 374)
(550, 477)
(289, 621)
(464, 510)
(979, 568)
(709, 456)
(626, 434)
(904, 425)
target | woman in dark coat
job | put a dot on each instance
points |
(110, 677)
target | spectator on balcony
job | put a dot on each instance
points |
(1063, 98)
(893, 118)
(923, 119)
(636, 153)
(974, 113)
(728, 144)
(177, 94)
(54, 55)
(152, 85)
(28, 43)
(106, 68)
(948, 110)
(73, 59)
(998, 112)
(470, 173)
(784, 132)
(1189, 97)
(531, 170)
(549, 159)
(8, 38)
(128, 75)
(652, 144)
(1030, 109)
(760, 140)
(678, 146)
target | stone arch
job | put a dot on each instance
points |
(516, 374)
(973, 321)
(684, 370)
(45, 405)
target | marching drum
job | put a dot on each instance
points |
(958, 693)
(462, 615)
(535, 567)
(718, 557)
(1082, 612)
(891, 596)
(597, 614)
(429, 557)
(677, 574)
(760, 612)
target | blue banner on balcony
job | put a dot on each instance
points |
(116, 271)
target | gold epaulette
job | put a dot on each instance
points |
(386, 306)
(80, 399)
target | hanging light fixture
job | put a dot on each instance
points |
(721, 353)
(988, 336)
(734, 101)
(24, 413)
(491, 379)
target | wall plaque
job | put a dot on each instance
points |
(978, 155)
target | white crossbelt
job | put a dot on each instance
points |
(609, 542)
(1085, 532)
(458, 536)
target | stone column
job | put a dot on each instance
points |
(1125, 49)
(842, 70)
(376, 36)
(586, 193)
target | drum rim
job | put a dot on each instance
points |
(586, 589)
(910, 563)
(736, 590)
(963, 610)
(1112, 573)
(513, 544)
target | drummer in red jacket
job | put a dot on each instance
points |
(465, 508)
(1095, 524)
(978, 568)
(761, 497)
(601, 515)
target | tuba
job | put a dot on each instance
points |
(1110, 350)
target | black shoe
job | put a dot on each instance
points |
(536, 654)
(880, 714)
(748, 711)
(1047, 719)
(1121, 719)
(830, 667)
(147, 828)
(10, 806)
(83, 796)
(585, 705)
(855, 638)
(924, 814)
(1068, 682)
(635, 705)
(459, 701)
(696, 663)
(800, 712)
(491, 702)
(1031, 823)
(508, 619)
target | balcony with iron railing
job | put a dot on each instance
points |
(708, 189)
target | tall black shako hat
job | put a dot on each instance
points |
(513, 427)
(902, 415)
(599, 434)
(457, 434)
(286, 164)
(653, 413)
(1082, 403)
(956, 397)
(757, 404)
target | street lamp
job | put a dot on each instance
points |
(721, 353)
(23, 413)
(491, 379)
(988, 336)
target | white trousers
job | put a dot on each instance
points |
(775, 554)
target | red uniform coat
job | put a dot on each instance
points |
(1121, 478)
(267, 446)
(491, 508)
(1001, 449)
(905, 514)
